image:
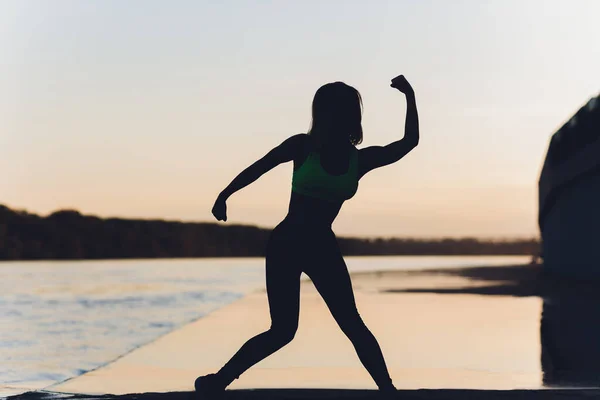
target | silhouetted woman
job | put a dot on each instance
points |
(327, 168)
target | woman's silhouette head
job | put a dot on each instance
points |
(337, 114)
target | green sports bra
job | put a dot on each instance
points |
(310, 179)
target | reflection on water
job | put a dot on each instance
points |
(570, 318)
(570, 334)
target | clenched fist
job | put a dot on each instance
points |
(402, 84)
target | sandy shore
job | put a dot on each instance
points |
(462, 333)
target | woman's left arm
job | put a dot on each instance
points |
(378, 156)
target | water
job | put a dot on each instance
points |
(61, 319)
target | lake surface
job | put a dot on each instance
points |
(59, 319)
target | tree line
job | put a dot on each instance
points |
(67, 234)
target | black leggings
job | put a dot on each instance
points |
(293, 249)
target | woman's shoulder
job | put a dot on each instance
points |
(303, 144)
(299, 139)
(296, 141)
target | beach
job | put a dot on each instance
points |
(445, 333)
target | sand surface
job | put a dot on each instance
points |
(474, 330)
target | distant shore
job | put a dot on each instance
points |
(70, 235)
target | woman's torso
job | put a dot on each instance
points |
(323, 179)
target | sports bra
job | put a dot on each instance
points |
(310, 179)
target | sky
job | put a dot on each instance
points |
(148, 109)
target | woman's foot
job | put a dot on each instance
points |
(388, 391)
(209, 386)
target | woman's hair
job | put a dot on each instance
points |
(337, 114)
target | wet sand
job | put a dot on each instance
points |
(463, 333)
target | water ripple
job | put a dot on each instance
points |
(62, 319)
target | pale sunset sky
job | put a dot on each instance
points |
(147, 109)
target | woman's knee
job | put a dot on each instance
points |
(352, 323)
(283, 333)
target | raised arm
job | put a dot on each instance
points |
(373, 157)
(285, 152)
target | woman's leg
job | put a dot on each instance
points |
(283, 291)
(330, 276)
